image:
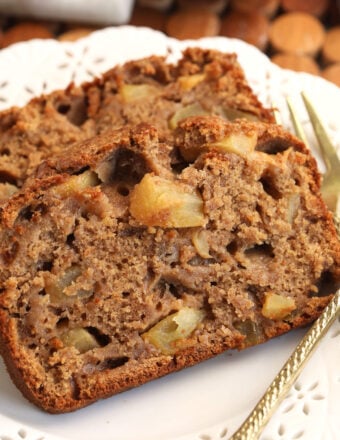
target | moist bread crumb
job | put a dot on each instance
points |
(131, 257)
(147, 90)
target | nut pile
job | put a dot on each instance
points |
(302, 35)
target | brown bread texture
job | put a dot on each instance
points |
(147, 90)
(130, 257)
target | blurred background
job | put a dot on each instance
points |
(302, 35)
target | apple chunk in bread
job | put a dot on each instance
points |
(184, 112)
(77, 183)
(80, 339)
(170, 333)
(188, 82)
(133, 92)
(277, 306)
(238, 143)
(157, 201)
(241, 144)
(61, 289)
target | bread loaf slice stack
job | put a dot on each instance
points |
(131, 256)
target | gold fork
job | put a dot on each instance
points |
(330, 188)
(256, 421)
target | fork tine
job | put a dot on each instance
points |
(276, 113)
(296, 122)
(328, 151)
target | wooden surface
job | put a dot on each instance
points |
(302, 35)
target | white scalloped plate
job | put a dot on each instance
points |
(208, 401)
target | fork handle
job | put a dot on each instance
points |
(259, 417)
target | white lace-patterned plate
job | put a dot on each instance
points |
(208, 401)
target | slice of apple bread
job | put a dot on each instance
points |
(120, 265)
(148, 90)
